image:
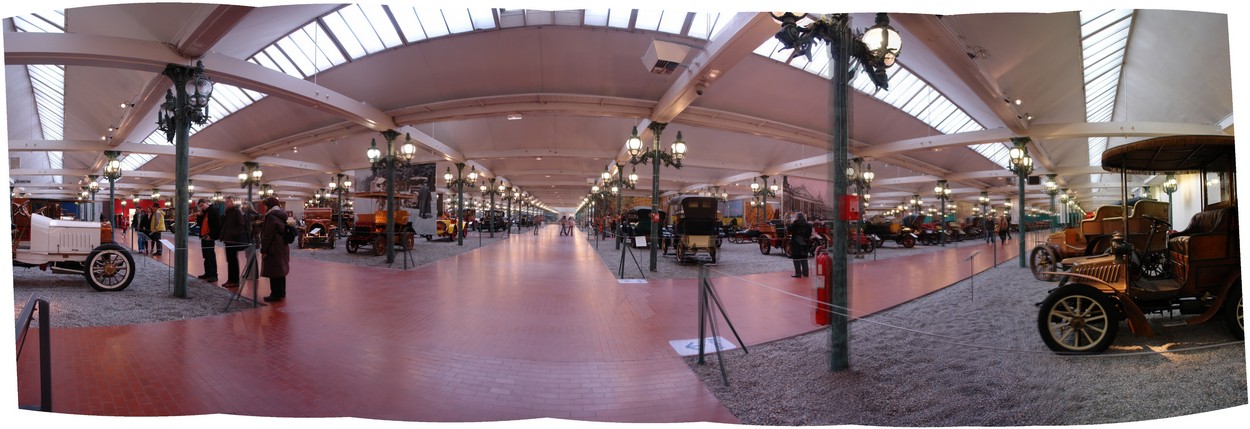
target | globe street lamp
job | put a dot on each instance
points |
(459, 182)
(340, 185)
(1170, 186)
(943, 193)
(655, 156)
(489, 189)
(861, 177)
(763, 191)
(93, 186)
(1052, 189)
(618, 184)
(390, 160)
(1022, 165)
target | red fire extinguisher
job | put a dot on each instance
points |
(824, 285)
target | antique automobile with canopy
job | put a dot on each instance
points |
(69, 247)
(696, 226)
(1147, 231)
(1082, 315)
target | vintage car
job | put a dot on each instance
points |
(370, 229)
(70, 247)
(1082, 315)
(318, 228)
(900, 230)
(1146, 231)
(637, 223)
(696, 226)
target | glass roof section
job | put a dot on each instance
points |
(907, 92)
(358, 30)
(48, 82)
(1104, 39)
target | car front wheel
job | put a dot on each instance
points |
(109, 268)
(1078, 319)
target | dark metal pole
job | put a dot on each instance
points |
(459, 203)
(656, 128)
(390, 159)
(839, 350)
(942, 223)
(1020, 221)
(113, 223)
(1053, 218)
(182, 149)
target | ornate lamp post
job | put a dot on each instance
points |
(943, 193)
(655, 156)
(340, 185)
(187, 106)
(489, 189)
(93, 186)
(459, 182)
(1063, 202)
(618, 183)
(763, 191)
(1052, 189)
(1170, 186)
(984, 199)
(390, 160)
(861, 177)
(876, 52)
(1022, 165)
(249, 176)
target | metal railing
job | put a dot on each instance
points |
(37, 306)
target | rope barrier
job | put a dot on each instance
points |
(954, 341)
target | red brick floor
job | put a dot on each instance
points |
(535, 326)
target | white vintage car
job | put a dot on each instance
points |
(72, 247)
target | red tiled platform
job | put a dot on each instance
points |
(535, 326)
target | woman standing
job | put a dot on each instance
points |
(800, 233)
(274, 252)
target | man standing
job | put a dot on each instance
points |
(274, 252)
(140, 224)
(156, 226)
(234, 234)
(209, 222)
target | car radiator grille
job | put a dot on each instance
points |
(1107, 272)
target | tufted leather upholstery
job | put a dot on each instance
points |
(1210, 222)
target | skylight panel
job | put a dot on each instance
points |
(648, 20)
(433, 22)
(672, 21)
(703, 25)
(43, 22)
(1104, 38)
(768, 48)
(297, 56)
(282, 62)
(568, 17)
(133, 161)
(48, 82)
(457, 20)
(995, 152)
(539, 17)
(482, 18)
(357, 24)
(409, 23)
(595, 17)
(347, 38)
(509, 18)
(380, 22)
(619, 18)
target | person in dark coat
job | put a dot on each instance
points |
(274, 252)
(800, 233)
(234, 234)
(140, 223)
(209, 222)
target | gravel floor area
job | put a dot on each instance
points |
(149, 298)
(970, 355)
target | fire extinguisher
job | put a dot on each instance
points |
(824, 285)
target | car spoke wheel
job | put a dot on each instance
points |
(1077, 319)
(908, 241)
(352, 246)
(1040, 260)
(765, 246)
(109, 268)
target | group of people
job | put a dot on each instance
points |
(148, 223)
(227, 221)
(998, 225)
(566, 225)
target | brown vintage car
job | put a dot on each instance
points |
(1147, 230)
(318, 228)
(1083, 314)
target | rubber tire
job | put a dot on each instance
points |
(868, 247)
(379, 246)
(1097, 306)
(681, 253)
(352, 246)
(110, 257)
(1234, 313)
(1095, 243)
(766, 246)
(908, 241)
(1042, 258)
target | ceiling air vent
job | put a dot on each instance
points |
(664, 57)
